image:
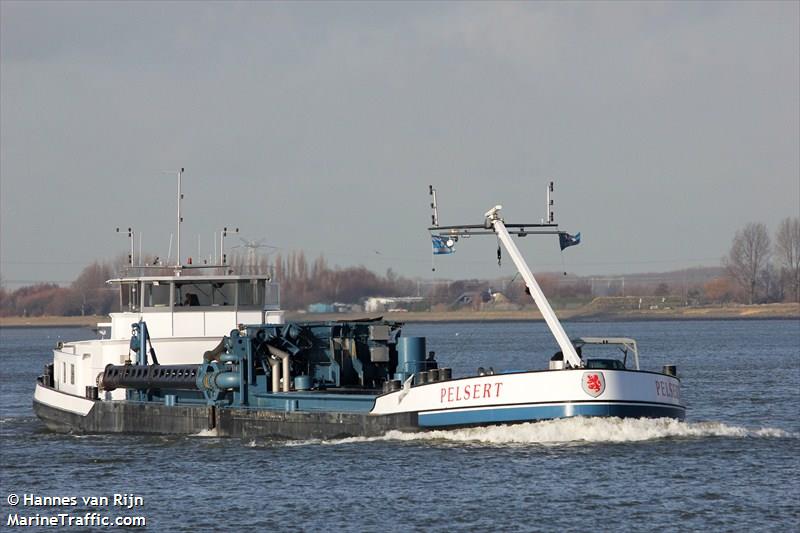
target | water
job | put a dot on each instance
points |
(733, 465)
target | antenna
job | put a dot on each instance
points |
(131, 237)
(222, 234)
(550, 217)
(434, 206)
(180, 219)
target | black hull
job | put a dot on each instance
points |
(146, 418)
(249, 423)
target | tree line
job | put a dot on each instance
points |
(87, 295)
(757, 269)
(303, 283)
(763, 270)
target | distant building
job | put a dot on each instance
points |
(378, 304)
(321, 308)
(335, 307)
(473, 299)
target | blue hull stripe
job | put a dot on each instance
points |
(530, 413)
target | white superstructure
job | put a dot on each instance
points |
(185, 316)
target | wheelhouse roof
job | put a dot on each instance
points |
(206, 278)
(603, 340)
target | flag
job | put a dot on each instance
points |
(565, 239)
(440, 245)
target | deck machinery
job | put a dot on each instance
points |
(337, 364)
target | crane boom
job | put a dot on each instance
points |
(570, 355)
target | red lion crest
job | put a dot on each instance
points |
(593, 383)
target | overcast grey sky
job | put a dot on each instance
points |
(666, 127)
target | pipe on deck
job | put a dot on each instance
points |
(285, 373)
(275, 372)
(214, 354)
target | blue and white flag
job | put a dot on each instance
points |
(566, 240)
(440, 245)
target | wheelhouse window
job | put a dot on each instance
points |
(156, 294)
(129, 297)
(251, 293)
(272, 296)
(204, 294)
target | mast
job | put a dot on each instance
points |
(178, 266)
(131, 235)
(434, 206)
(494, 225)
(180, 219)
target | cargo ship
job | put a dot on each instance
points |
(212, 354)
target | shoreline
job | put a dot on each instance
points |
(738, 312)
(583, 314)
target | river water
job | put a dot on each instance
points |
(732, 465)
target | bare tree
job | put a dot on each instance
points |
(787, 250)
(772, 283)
(720, 290)
(748, 256)
(90, 286)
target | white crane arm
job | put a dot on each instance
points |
(570, 355)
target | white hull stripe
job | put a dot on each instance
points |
(547, 404)
(62, 401)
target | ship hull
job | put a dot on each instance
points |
(539, 395)
(157, 418)
(474, 401)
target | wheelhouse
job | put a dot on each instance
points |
(195, 306)
(195, 293)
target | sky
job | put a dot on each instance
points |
(319, 126)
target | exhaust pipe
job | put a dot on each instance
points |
(285, 359)
(275, 372)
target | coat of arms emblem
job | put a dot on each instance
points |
(593, 383)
